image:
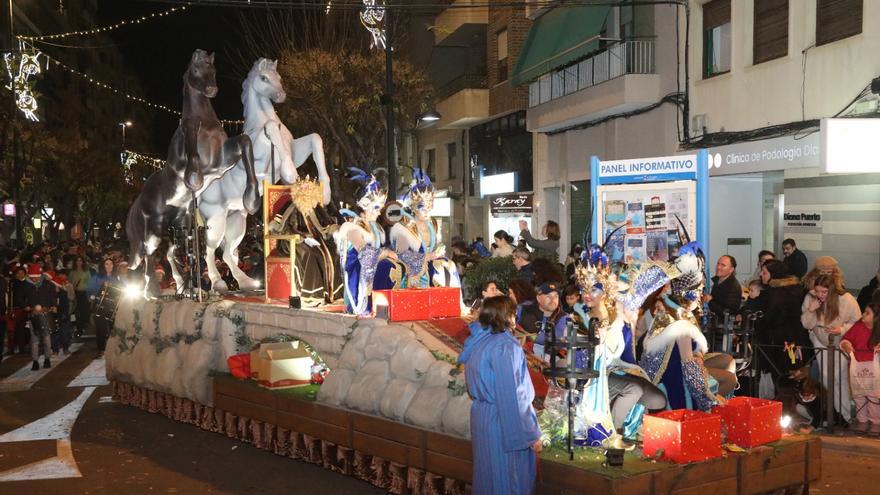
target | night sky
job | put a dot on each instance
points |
(159, 51)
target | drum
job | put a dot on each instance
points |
(104, 307)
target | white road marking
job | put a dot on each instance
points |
(54, 426)
(63, 465)
(25, 378)
(94, 375)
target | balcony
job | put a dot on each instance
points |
(464, 81)
(630, 57)
(616, 80)
(453, 19)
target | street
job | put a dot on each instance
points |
(119, 449)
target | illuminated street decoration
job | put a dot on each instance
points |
(372, 18)
(21, 67)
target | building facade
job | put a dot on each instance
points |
(606, 87)
(763, 77)
(481, 131)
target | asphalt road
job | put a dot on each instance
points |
(119, 449)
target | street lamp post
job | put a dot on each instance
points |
(389, 108)
(123, 125)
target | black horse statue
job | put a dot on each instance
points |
(200, 153)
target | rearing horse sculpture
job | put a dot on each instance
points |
(199, 151)
(221, 203)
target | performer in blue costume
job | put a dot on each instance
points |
(418, 241)
(675, 349)
(504, 429)
(367, 264)
(611, 402)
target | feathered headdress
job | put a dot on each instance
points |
(690, 263)
(421, 192)
(371, 194)
(594, 271)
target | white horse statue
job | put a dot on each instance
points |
(221, 203)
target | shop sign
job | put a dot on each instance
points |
(802, 221)
(657, 169)
(511, 204)
(9, 209)
(780, 153)
(849, 145)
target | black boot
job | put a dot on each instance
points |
(36, 366)
(47, 364)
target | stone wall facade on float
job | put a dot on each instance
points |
(377, 367)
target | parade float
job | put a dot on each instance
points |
(366, 381)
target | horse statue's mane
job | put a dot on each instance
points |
(256, 70)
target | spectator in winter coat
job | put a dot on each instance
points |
(828, 312)
(868, 291)
(21, 290)
(795, 259)
(726, 295)
(503, 245)
(781, 305)
(522, 260)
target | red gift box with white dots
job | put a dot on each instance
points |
(445, 302)
(404, 304)
(750, 422)
(683, 436)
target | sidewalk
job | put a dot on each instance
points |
(847, 444)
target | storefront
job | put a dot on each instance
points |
(766, 191)
(505, 212)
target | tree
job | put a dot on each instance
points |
(335, 82)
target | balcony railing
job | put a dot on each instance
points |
(464, 81)
(629, 57)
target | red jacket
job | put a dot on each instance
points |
(858, 335)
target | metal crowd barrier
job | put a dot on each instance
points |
(734, 335)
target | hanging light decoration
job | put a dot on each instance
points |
(373, 17)
(21, 66)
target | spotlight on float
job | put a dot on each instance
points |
(785, 422)
(132, 291)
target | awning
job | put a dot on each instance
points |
(564, 34)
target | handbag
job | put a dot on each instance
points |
(864, 377)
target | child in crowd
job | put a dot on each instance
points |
(755, 287)
(862, 343)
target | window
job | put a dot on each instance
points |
(837, 19)
(716, 38)
(451, 162)
(431, 164)
(502, 54)
(771, 30)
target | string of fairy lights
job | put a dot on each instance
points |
(22, 65)
(104, 29)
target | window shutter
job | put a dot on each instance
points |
(837, 19)
(716, 13)
(771, 30)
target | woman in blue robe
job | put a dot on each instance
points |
(504, 429)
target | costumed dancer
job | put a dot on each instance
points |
(367, 264)
(675, 348)
(614, 402)
(417, 239)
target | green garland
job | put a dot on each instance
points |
(243, 341)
